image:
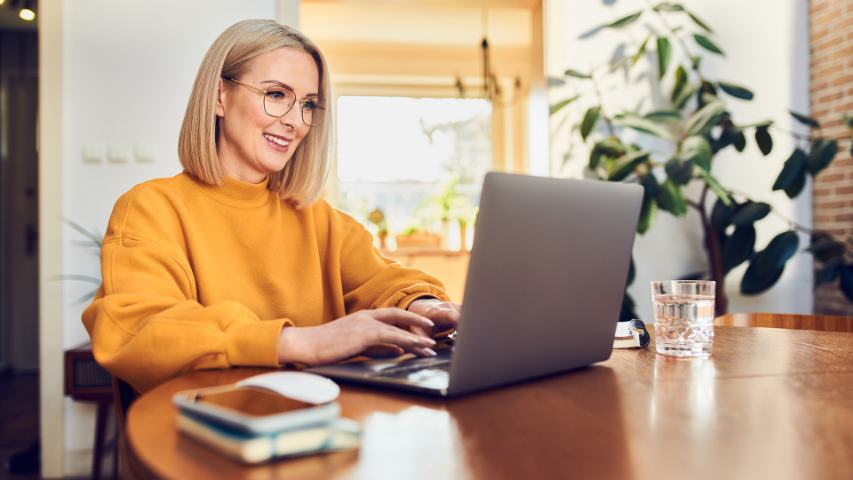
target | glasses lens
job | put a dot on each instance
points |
(312, 114)
(278, 101)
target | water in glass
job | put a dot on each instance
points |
(684, 324)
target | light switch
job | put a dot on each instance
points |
(118, 153)
(146, 153)
(93, 153)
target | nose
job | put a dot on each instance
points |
(292, 118)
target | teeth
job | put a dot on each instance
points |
(276, 140)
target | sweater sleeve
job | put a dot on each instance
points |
(146, 324)
(370, 280)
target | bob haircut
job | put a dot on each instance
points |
(302, 178)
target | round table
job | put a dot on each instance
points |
(769, 403)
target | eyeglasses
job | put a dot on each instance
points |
(279, 100)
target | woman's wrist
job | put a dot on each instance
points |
(288, 346)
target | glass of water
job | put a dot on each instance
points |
(684, 317)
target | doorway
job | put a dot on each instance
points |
(19, 319)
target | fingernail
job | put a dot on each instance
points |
(428, 341)
(429, 322)
(430, 352)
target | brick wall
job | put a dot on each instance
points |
(831, 39)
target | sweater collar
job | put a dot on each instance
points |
(240, 194)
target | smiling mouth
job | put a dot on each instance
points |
(279, 143)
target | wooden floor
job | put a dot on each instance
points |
(19, 417)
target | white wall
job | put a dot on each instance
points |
(770, 57)
(128, 70)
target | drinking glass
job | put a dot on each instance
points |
(684, 317)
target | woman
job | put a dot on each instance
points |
(235, 261)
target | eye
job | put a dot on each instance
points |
(278, 95)
(310, 105)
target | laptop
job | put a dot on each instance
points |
(543, 293)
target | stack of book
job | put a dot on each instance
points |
(253, 422)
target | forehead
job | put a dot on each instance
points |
(290, 66)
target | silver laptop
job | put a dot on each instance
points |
(543, 292)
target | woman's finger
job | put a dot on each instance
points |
(401, 318)
(404, 339)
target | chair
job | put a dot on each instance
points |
(786, 320)
(87, 381)
(123, 396)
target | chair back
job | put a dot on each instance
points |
(787, 320)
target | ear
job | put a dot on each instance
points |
(220, 99)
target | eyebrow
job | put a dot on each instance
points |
(279, 82)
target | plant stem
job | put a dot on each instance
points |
(713, 254)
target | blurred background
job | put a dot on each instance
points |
(732, 115)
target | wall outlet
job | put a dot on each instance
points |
(146, 153)
(119, 153)
(93, 153)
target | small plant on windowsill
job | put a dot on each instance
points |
(377, 218)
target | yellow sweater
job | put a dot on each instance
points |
(198, 277)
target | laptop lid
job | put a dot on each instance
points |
(545, 280)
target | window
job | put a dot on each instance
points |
(419, 160)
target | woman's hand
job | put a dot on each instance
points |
(353, 334)
(445, 315)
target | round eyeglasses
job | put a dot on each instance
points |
(279, 100)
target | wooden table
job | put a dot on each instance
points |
(769, 403)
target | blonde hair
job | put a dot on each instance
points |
(302, 179)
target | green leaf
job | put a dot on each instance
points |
(643, 125)
(739, 247)
(804, 119)
(664, 116)
(647, 214)
(663, 55)
(699, 22)
(684, 95)
(846, 282)
(767, 266)
(848, 119)
(697, 150)
(736, 91)
(627, 164)
(610, 146)
(703, 119)
(561, 104)
(763, 139)
(750, 212)
(649, 207)
(680, 82)
(668, 7)
(680, 172)
(821, 155)
(715, 186)
(792, 178)
(826, 249)
(721, 214)
(640, 51)
(828, 272)
(624, 21)
(739, 140)
(707, 44)
(589, 121)
(576, 74)
(670, 199)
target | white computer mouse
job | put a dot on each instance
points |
(305, 387)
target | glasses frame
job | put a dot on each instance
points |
(302, 102)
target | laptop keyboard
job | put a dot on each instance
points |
(402, 371)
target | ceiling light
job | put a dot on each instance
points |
(27, 14)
